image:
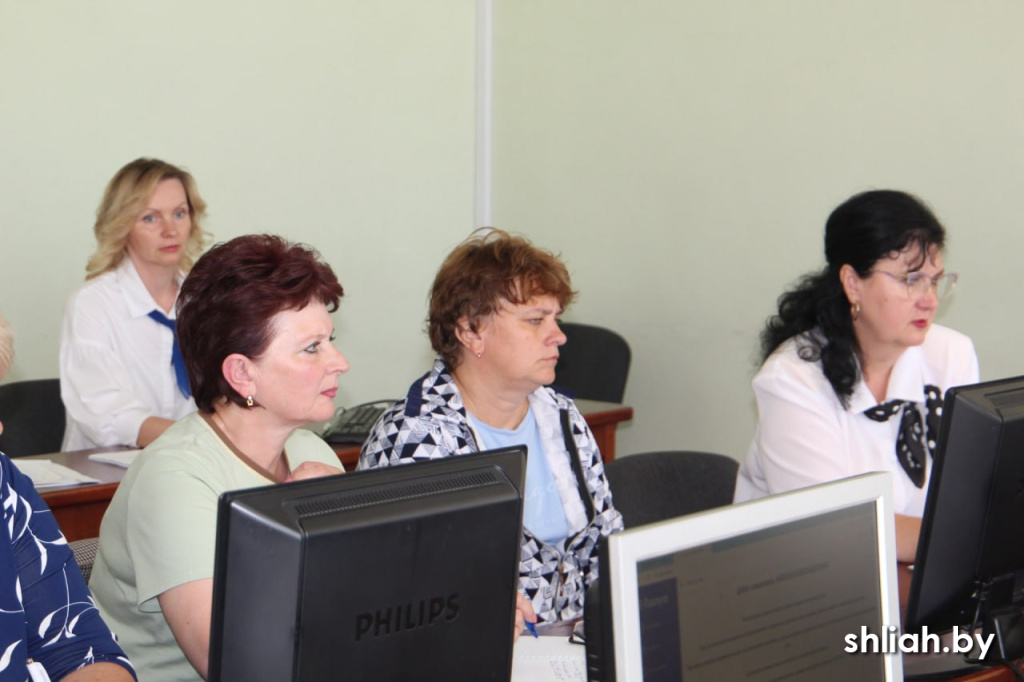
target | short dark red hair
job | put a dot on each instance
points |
(228, 300)
(488, 267)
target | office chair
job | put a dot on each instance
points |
(655, 486)
(593, 364)
(85, 555)
(33, 417)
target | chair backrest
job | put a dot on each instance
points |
(593, 364)
(33, 417)
(85, 554)
(655, 486)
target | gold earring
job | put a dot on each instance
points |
(855, 311)
(249, 402)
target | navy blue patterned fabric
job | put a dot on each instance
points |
(46, 611)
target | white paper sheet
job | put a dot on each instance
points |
(121, 458)
(47, 475)
(548, 659)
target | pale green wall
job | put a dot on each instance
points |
(684, 155)
(346, 124)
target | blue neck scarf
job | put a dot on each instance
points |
(179, 362)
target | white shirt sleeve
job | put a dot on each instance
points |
(115, 367)
(95, 383)
(799, 439)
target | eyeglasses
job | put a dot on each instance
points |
(918, 283)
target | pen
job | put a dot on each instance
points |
(532, 628)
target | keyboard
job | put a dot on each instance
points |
(353, 425)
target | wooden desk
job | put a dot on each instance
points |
(1001, 674)
(602, 418)
(79, 510)
(998, 674)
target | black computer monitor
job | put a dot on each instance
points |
(408, 572)
(970, 556)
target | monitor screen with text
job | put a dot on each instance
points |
(765, 591)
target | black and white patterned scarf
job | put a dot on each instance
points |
(917, 438)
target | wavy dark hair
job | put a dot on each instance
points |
(862, 230)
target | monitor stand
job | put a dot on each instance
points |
(945, 664)
(1008, 625)
(937, 666)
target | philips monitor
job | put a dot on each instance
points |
(969, 568)
(407, 572)
(778, 588)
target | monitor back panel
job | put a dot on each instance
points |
(971, 528)
(415, 588)
(370, 575)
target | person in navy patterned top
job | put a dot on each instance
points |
(493, 320)
(47, 615)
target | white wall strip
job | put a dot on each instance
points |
(484, 102)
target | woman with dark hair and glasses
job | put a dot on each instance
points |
(256, 334)
(854, 369)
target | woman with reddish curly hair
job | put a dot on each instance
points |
(494, 310)
(256, 335)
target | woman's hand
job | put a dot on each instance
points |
(312, 470)
(524, 614)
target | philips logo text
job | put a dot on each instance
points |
(402, 617)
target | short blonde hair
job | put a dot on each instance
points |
(6, 347)
(125, 198)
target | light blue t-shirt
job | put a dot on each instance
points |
(543, 513)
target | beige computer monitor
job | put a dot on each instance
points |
(764, 590)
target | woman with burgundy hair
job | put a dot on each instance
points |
(256, 335)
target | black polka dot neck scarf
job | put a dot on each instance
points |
(917, 439)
